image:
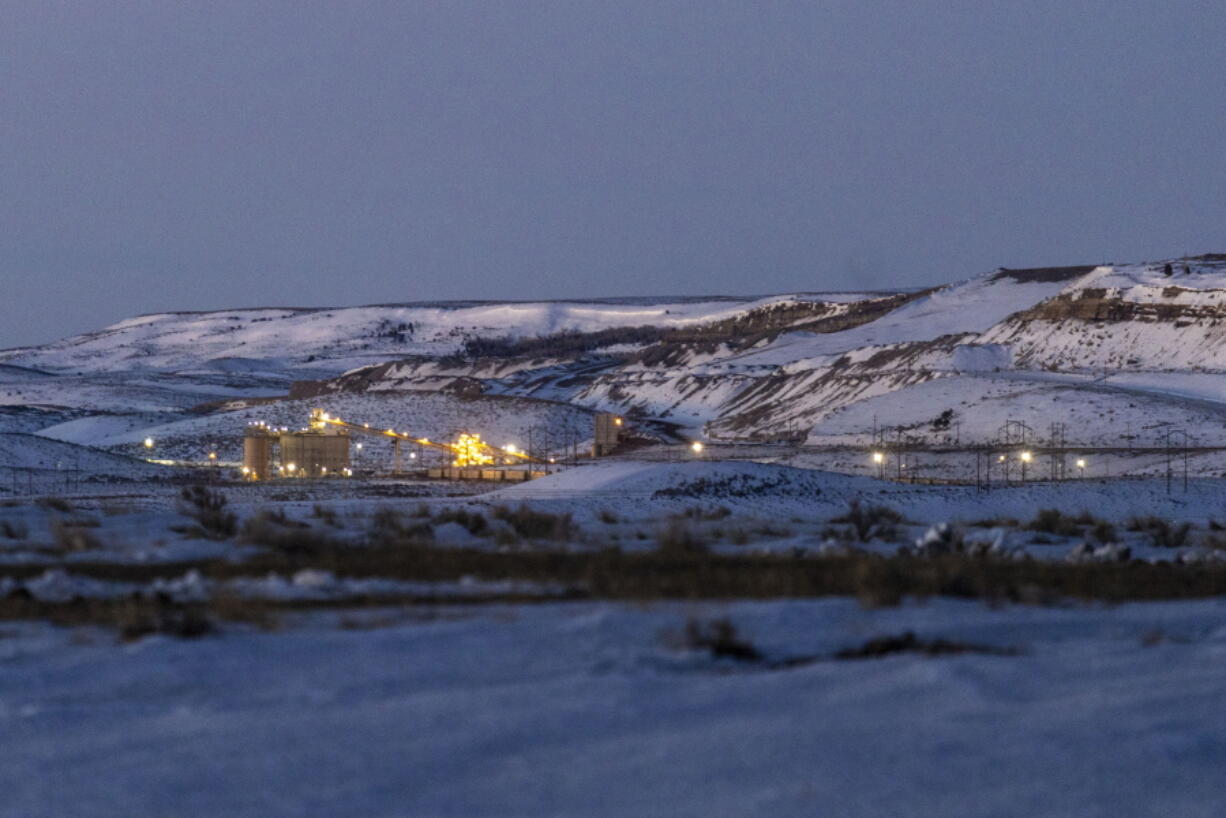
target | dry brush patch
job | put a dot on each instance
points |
(685, 574)
(870, 522)
(214, 521)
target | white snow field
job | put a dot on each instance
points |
(274, 340)
(598, 710)
(635, 488)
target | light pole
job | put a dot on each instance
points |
(1026, 458)
(1081, 467)
(879, 459)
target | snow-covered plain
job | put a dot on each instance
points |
(598, 709)
(733, 507)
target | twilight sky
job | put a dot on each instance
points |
(159, 155)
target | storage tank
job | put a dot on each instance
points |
(607, 433)
(314, 453)
(257, 453)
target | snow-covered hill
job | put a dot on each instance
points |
(1135, 346)
(331, 340)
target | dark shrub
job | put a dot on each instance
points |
(388, 529)
(274, 530)
(326, 514)
(182, 623)
(719, 636)
(208, 509)
(536, 525)
(679, 539)
(474, 522)
(871, 521)
(1052, 521)
(73, 536)
(1161, 533)
(1103, 531)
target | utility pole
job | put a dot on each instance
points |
(900, 456)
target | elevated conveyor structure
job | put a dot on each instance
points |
(467, 450)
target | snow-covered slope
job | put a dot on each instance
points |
(273, 340)
(810, 366)
(1127, 317)
(600, 710)
(35, 462)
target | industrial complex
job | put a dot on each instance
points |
(323, 449)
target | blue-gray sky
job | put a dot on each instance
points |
(164, 155)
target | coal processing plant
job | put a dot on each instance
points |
(323, 449)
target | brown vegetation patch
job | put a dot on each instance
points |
(908, 642)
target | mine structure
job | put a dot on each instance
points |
(608, 434)
(310, 452)
(322, 449)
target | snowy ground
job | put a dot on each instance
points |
(597, 709)
(436, 706)
(1118, 412)
(729, 506)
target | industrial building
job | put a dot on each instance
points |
(322, 450)
(257, 451)
(312, 452)
(608, 434)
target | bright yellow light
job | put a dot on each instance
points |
(326, 416)
(1081, 463)
(1001, 458)
(696, 447)
(246, 470)
(878, 457)
(1026, 456)
(323, 469)
(212, 455)
(148, 443)
(617, 421)
(510, 447)
(291, 467)
(359, 447)
(470, 451)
